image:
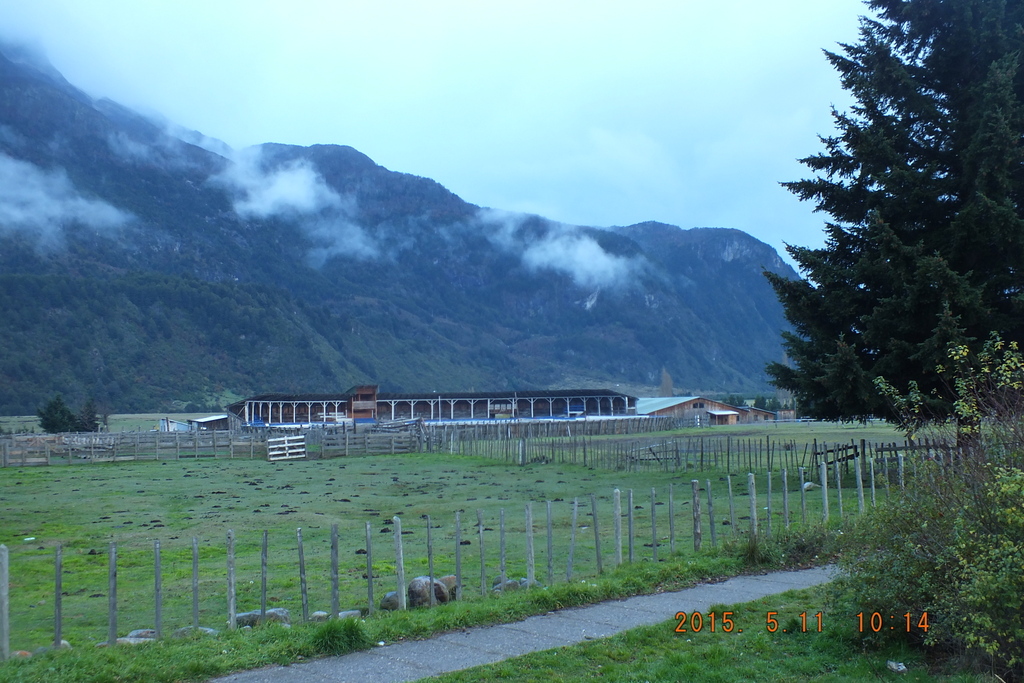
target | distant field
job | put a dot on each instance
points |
(118, 423)
(831, 432)
(876, 430)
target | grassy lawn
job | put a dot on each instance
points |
(796, 651)
(86, 507)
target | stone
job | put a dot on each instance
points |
(389, 601)
(188, 630)
(64, 645)
(274, 615)
(321, 616)
(509, 585)
(143, 633)
(524, 583)
(131, 640)
(449, 583)
(419, 592)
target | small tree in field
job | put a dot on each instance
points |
(56, 417)
(87, 419)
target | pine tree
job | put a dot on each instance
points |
(87, 419)
(924, 183)
(56, 417)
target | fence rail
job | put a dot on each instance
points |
(64, 449)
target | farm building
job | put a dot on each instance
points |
(212, 422)
(365, 403)
(703, 411)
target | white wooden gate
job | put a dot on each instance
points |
(286, 447)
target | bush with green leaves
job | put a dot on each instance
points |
(952, 542)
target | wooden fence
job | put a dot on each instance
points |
(417, 437)
(772, 507)
(687, 453)
(69, 449)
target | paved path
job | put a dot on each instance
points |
(413, 660)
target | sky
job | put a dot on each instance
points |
(593, 112)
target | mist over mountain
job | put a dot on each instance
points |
(153, 267)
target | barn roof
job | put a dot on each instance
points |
(646, 406)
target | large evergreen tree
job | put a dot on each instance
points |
(924, 183)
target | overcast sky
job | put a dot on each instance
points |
(596, 112)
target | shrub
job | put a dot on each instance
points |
(952, 543)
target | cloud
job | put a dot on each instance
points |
(287, 191)
(580, 257)
(561, 248)
(42, 203)
(296, 191)
(335, 235)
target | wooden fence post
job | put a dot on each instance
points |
(695, 503)
(430, 563)
(572, 539)
(369, 568)
(711, 516)
(195, 582)
(629, 521)
(158, 590)
(302, 577)
(617, 503)
(501, 548)
(823, 477)
(858, 470)
(58, 589)
(5, 604)
(839, 491)
(232, 623)
(768, 517)
(483, 561)
(752, 493)
(112, 595)
(871, 465)
(785, 499)
(671, 521)
(654, 528)
(264, 556)
(458, 554)
(803, 497)
(400, 562)
(551, 554)
(732, 507)
(597, 533)
(335, 588)
(530, 570)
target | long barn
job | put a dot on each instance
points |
(366, 403)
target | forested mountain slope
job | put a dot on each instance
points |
(151, 267)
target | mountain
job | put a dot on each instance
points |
(154, 268)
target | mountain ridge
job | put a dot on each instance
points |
(125, 248)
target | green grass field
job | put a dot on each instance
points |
(86, 507)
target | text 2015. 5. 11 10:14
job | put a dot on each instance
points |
(695, 622)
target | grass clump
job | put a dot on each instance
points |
(339, 636)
